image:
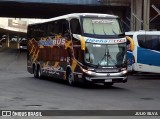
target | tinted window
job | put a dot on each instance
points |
(30, 32)
(48, 29)
(53, 28)
(37, 31)
(65, 27)
(57, 27)
(75, 26)
(149, 41)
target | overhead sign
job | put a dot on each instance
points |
(17, 24)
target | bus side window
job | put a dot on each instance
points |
(50, 29)
(158, 43)
(40, 31)
(30, 31)
(75, 26)
(36, 31)
(65, 28)
(43, 30)
(141, 41)
(54, 28)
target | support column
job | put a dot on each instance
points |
(132, 18)
(146, 14)
(17, 42)
(141, 9)
(7, 41)
(136, 9)
(138, 13)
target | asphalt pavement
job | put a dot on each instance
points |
(20, 91)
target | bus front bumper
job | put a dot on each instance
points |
(107, 77)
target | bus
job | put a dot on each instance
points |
(78, 47)
(143, 51)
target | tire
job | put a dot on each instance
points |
(108, 84)
(35, 72)
(70, 78)
(39, 72)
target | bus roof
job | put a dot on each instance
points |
(74, 15)
(142, 32)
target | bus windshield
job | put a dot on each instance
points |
(101, 26)
(105, 55)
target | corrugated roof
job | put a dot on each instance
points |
(81, 2)
(116, 2)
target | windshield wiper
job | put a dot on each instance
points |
(107, 56)
(93, 28)
(104, 31)
(101, 60)
(114, 32)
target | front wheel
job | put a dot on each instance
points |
(39, 72)
(70, 78)
(35, 72)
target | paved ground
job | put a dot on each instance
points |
(19, 90)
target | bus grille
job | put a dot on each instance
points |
(107, 70)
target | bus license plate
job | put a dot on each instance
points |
(108, 80)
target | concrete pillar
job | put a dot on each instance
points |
(7, 41)
(136, 15)
(18, 41)
(141, 9)
(139, 15)
(146, 14)
(133, 27)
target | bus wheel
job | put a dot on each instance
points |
(70, 78)
(108, 84)
(35, 72)
(39, 72)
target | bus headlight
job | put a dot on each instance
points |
(87, 71)
(124, 72)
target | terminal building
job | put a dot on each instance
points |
(135, 14)
(13, 31)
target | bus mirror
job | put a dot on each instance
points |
(76, 36)
(82, 40)
(131, 43)
(83, 43)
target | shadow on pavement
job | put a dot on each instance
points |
(146, 76)
(80, 85)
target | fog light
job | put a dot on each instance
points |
(79, 76)
(87, 78)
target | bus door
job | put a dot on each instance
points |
(76, 29)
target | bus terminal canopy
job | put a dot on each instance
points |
(79, 2)
(51, 8)
(8, 30)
